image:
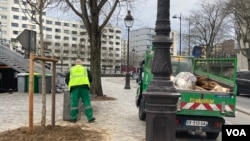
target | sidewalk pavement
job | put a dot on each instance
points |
(118, 117)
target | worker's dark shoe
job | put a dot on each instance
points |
(73, 120)
(92, 120)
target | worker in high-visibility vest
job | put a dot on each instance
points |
(78, 80)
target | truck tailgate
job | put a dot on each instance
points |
(206, 103)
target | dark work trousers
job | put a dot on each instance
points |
(82, 93)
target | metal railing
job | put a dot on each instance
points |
(17, 61)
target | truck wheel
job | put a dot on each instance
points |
(142, 114)
(212, 135)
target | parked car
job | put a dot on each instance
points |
(243, 82)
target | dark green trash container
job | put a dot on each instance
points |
(36, 83)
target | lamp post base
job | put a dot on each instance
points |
(127, 82)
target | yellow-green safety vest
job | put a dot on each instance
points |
(78, 76)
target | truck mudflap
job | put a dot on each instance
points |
(197, 125)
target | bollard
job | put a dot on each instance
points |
(66, 107)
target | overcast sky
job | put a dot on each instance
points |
(146, 14)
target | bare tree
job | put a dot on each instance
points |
(95, 14)
(240, 9)
(210, 25)
(34, 9)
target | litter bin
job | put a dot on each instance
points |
(66, 107)
(22, 82)
(48, 79)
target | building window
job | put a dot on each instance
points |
(74, 32)
(24, 3)
(111, 30)
(57, 44)
(24, 18)
(66, 38)
(74, 25)
(33, 27)
(3, 17)
(74, 39)
(16, 1)
(117, 49)
(58, 30)
(48, 29)
(25, 10)
(57, 37)
(117, 37)
(15, 32)
(81, 26)
(57, 23)
(66, 44)
(117, 43)
(33, 19)
(118, 31)
(14, 24)
(24, 25)
(66, 31)
(15, 17)
(15, 9)
(66, 24)
(83, 33)
(3, 9)
(48, 22)
(48, 36)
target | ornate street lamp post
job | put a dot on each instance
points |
(133, 62)
(161, 96)
(179, 17)
(1, 29)
(128, 20)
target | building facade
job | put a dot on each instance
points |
(65, 40)
(141, 40)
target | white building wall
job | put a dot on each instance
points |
(69, 37)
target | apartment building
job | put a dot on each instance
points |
(141, 40)
(64, 40)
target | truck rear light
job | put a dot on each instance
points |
(179, 104)
(217, 124)
(177, 121)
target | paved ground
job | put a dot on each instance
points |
(118, 117)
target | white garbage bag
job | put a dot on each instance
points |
(185, 80)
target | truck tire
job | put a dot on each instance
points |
(212, 135)
(142, 113)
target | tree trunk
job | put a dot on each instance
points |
(95, 62)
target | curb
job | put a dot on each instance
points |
(243, 110)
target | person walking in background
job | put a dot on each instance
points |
(78, 80)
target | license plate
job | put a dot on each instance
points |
(196, 123)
